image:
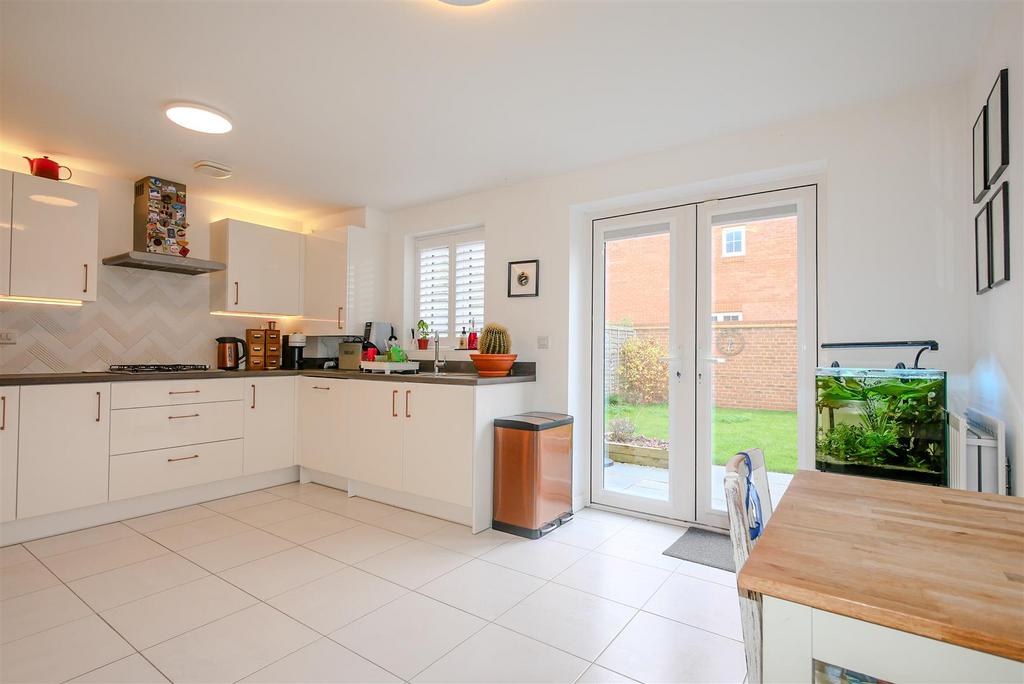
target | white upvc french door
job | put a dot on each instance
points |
(720, 344)
(637, 258)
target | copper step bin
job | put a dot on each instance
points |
(532, 473)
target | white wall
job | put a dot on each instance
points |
(997, 317)
(893, 250)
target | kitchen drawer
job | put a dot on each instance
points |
(173, 392)
(159, 427)
(161, 470)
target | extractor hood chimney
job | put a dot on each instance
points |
(159, 234)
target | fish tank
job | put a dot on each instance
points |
(882, 423)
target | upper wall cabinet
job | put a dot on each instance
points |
(264, 273)
(325, 287)
(50, 238)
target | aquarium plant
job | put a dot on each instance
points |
(882, 423)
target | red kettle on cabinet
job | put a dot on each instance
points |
(46, 168)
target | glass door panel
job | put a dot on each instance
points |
(643, 436)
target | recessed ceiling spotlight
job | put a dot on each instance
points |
(212, 169)
(198, 118)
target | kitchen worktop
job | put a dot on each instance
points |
(522, 372)
(940, 563)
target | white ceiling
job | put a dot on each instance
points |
(391, 103)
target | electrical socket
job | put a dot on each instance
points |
(543, 342)
(8, 337)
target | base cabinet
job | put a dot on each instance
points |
(269, 436)
(376, 418)
(437, 442)
(322, 409)
(8, 452)
(64, 447)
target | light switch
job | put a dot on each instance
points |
(8, 337)
(543, 342)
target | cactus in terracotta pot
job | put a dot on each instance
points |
(494, 339)
(494, 361)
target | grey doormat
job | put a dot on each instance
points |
(706, 548)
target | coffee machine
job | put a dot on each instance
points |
(294, 347)
(377, 334)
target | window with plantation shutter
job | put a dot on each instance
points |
(450, 282)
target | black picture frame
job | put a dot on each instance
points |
(979, 139)
(982, 251)
(532, 289)
(997, 127)
(999, 234)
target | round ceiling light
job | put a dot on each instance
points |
(198, 118)
(464, 3)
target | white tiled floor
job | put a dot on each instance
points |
(300, 583)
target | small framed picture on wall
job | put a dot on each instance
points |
(982, 252)
(998, 128)
(999, 219)
(524, 278)
(980, 156)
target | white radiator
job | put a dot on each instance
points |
(977, 453)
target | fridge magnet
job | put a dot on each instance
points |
(998, 128)
(982, 252)
(980, 156)
(999, 219)
(524, 278)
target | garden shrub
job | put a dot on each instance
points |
(621, 430)
(643, 376)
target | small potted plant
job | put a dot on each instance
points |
(493, 361)
(423, 330)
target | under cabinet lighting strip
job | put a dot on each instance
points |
(40, 300)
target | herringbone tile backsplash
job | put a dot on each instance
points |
(139, 317)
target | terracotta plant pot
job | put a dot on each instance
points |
(423, 343)
(493, 365)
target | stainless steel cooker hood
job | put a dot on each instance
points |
(164, 262)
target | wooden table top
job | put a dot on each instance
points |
(942, 563)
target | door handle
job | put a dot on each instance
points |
(183, 458)
(407, 393)
(339, 316)
(98, 396)
(191, 415)
(323, 388)
(85, 287)
(184, 392)
(3, 420)
(394, 398)
(236, 293)
(253, 396)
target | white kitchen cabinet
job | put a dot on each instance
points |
(55, 239)
(6, 188)
(8, 452)
(63, 449)
(149, 472)
(264, 269)
(437, 442)
(269, 424)
(376, 417)
(322, 439)
(324, 286)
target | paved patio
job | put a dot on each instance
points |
(652, 483)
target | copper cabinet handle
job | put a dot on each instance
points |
(3, 420)
(407, 393)
(85, 287)
(183, 458)
(236, 293)
(184, 392)
(339, 316)
(191, 415)
(253, 396)
(394, 398)
(323, 388)
(98, 395)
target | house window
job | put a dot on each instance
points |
(734, 241)
(724, 316)
(450, 281)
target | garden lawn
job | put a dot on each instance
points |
(734, 431)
